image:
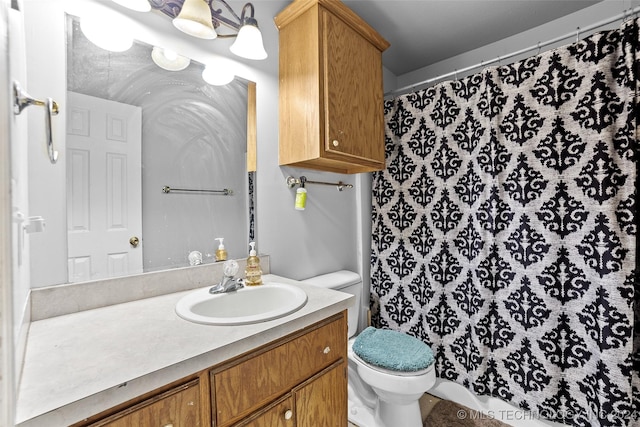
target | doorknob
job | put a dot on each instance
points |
(134, 241)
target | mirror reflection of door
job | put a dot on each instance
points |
(104, 198)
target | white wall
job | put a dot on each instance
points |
(19, 193)
(46, 79)
(7, 389)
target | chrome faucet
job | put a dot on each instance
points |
(228, 283)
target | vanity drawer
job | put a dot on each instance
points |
(178, 407)
(252, 383)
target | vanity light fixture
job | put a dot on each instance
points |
(196, 20)
(204, 19)
(248, 42)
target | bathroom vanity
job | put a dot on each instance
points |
(138, 363)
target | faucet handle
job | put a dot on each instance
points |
(230, 268)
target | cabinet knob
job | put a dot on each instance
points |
(335, 142)
(168, 425)
(288, 414)
(326, 350)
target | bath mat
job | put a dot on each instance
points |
(450, 414)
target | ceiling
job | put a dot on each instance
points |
(423, 32)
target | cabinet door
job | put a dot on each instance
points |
(279, 414)
(243, 388)
(353, 94)
(175, 408)
(322, 402)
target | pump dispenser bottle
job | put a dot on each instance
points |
(221, 253)
(253, 272)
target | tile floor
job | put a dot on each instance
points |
(427, 403)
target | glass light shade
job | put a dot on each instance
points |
(217, 74)
(248, 43)
(137, 5)
(168, 59)
(195, 19)
(106, 33)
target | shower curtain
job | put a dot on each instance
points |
(504, 230)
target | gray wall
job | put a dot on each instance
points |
(325, 236)
(557, 28)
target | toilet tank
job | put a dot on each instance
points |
(343, 281)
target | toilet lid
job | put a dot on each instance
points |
(393, 351)
(389, 371)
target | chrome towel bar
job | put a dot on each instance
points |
(225, 191)
(302, 181)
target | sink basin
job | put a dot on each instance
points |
(251, 304)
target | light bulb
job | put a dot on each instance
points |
(218, 73)
(168, 59)
(100, 31)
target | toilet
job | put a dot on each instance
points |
(378, 397)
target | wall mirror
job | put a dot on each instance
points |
(156, 162)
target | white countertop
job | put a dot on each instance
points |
(80, 364)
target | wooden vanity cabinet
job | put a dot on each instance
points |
(316, 403)
(321, 402)
(296, 381)
(310, 367)
(331, 90)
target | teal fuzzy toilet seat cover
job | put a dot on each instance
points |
(392, 350)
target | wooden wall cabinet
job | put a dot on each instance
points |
(331, 91)
(297, 381)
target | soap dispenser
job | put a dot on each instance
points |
(253, 272)
(221, 253)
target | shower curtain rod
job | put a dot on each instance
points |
(539, 45)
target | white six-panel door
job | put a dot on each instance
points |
(104, 199)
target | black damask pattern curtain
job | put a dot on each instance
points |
(504, 230)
